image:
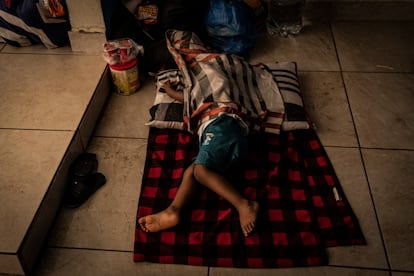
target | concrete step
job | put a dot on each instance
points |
(41, 133)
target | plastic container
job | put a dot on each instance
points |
(285, 17)
(126, 77)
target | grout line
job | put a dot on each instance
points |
(343, 83)
(360, 150)
(37, 129)
(356, 72)
(341, 146)
(378, 72)
(361, 267)
(27, 53)
(91, 249)
(387, 149)
(119, 137)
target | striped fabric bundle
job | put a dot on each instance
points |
(215, 80)
(22, 25)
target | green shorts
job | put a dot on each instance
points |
(223, 144)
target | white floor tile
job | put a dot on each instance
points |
(350, 171)
(326, 101)
(313, 49)
(69, 262)
(390, 175)
(382, 106)
(58, 101)
(107, 219)
(375, 46)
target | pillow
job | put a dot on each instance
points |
(166, 112)
(286, 77)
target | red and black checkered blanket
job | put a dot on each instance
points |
(302, 207)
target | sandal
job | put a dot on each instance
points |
(84, 180)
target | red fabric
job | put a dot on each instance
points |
(290, 176)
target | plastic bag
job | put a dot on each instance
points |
(231, 26)
(147, 12)
(121, 51)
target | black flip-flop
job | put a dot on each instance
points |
(84, 180)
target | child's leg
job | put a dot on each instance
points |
(171, 215)
(247, 209)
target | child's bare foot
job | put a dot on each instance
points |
(163, 220)
(248, 215)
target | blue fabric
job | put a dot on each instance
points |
(231, 27)
(223, 145)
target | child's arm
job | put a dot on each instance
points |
(175, 94)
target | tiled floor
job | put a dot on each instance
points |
(358, 84)
(44, 97)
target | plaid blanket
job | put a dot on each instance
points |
(216, 82)
(303, 209)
